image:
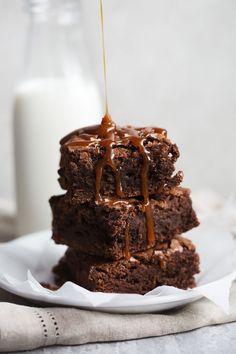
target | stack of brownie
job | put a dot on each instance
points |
(107, 239)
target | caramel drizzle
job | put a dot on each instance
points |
(107, 136)
(113, 202)
(146, 202)
(126, 137)
(107, 131)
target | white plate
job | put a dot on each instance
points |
(32, 257)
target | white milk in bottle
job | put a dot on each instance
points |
(53, 99)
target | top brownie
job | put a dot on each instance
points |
(79, 160)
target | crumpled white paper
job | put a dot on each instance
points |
(28, 260)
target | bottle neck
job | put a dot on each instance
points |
(48, 52)
(64, 12)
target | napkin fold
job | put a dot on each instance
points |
(25, 327)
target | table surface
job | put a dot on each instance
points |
(219, 339)
(210, 340)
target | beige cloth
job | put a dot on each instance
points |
(25, 327)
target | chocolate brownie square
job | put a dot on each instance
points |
(115, 227)
(174, 263)
(82, 151)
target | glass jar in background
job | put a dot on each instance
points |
(56, 94)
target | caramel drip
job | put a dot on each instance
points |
(139, 144)
(107, 131)
(146, 202)
(106, 137)
(94, 133)
(126, 251)
(108, 160)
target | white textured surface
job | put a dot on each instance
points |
(169, 63)
(218, 339)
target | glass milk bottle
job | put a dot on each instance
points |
(55, 96)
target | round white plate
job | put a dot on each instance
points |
(27, 261)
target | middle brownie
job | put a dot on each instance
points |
(110, 228)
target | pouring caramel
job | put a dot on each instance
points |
(107, 136)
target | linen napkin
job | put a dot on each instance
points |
(24, 327)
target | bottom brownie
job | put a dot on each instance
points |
(168, 264)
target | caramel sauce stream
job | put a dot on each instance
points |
(106, 137)
(106, 131)
(104, 58)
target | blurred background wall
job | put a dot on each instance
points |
(170, 63)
